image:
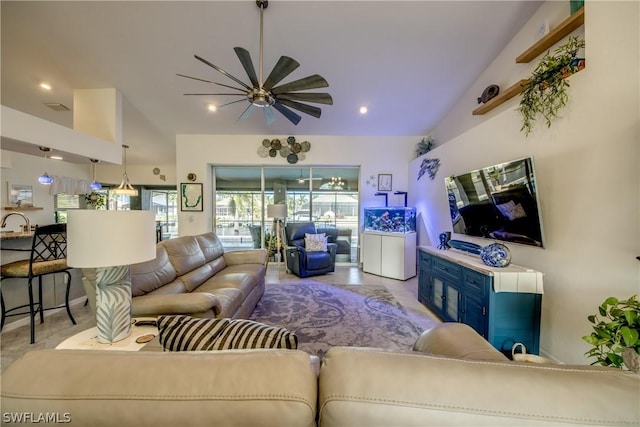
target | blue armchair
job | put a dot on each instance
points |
(305, 263)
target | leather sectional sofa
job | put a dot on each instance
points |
(193, 275)
(453, 378)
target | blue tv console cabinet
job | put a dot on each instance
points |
(501, 304)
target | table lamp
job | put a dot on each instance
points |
(277, 212)
(110, 241)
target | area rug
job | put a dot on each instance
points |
(323, 316)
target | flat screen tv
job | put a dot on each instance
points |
(498, 202)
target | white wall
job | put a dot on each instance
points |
(587, 167)
(195, 153)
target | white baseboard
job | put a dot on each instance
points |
(24, 321)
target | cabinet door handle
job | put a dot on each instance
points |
(443, 297)
(473, 282)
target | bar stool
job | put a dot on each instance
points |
(48, 256)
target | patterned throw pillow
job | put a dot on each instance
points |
(185, 333)
(315, 242)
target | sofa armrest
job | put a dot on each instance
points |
(456, 340)
(249, 256)
(199, 304)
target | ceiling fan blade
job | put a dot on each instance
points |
(247, 113)
(269, 116)
(220, 70)
(215, 94)
(307, 109)
(317, 98)
(232, 102)
(209, 81)
(311, 82)
(293, 117)
(283, 68)
(245, 59)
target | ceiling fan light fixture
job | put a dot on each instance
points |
(266, 93)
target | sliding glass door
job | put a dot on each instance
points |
(328, 196)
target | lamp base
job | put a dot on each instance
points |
(113, 303)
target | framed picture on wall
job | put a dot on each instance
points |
(20, 195)
(191, 197)
(384, 182)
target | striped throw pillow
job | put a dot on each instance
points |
(185, 333)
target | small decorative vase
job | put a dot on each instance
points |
(445, 236)
(631, 359)
(495, 255)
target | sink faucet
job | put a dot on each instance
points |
(25, 228)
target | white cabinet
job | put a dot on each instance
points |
(389, 254)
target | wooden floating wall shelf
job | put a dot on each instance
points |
(22, 208)
(502, 97)
(561, 31)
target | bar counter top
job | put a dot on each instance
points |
(13, 235)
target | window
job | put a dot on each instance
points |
(328, 196)
(63, 202)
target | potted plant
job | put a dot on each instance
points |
(616, 333)
(546, 91)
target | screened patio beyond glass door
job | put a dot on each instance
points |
(328, 196)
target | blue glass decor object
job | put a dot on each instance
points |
(495, 255)
(430, 166)
(460, 245)
(445, 236)
(95, 186)
(45, 179)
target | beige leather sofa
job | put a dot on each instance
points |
(194, 275)
(355, 387)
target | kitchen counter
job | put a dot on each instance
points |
(12, 235)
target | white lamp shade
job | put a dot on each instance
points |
(109, 238)
(277, 211)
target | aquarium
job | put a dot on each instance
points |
(390, 219)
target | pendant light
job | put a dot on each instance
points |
(95, 185)
(45, 178)
(125, 188)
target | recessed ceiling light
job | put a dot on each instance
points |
(45, 86)
(363, 110)
(55, 157)
(212, 107)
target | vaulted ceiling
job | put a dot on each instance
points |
(408, 62)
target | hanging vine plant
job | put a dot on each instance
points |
(546, 93)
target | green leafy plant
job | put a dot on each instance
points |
(95, 200)
(546, 92)
(270, 242)
(615, 328)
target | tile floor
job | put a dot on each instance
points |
(57, 326)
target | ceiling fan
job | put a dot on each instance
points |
(302, 179)
(265, 94)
